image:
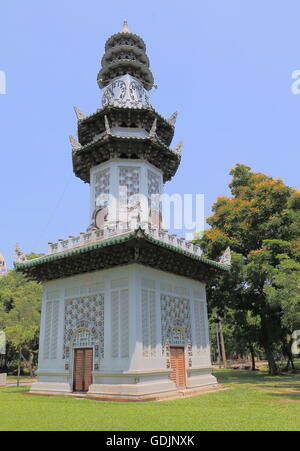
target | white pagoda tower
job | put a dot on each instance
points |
(124, 311)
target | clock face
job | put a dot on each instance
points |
(101, 217)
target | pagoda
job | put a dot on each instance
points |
(124, 312)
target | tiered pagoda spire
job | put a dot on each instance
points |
(127, 126)
(125, 53)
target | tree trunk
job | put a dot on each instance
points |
(273, 369)
(222, 344)
(290, 355)
(29, 363)
(218, 345)
(252, 357)
(19, 367)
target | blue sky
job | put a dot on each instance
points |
(224, 65)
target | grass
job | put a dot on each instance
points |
(254, 401)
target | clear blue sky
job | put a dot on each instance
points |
(224, 65)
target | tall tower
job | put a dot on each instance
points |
(123, 149)
(124, 307)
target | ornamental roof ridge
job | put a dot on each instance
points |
(112, 107)
(106, 135)
(126, 34)
(138, 233)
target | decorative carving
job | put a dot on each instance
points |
(153, 128)
(225, 259)
(200, 321)
(175, 323)
(125, 28)
(178, 148)
(125, 91)
(84, 325)
(79, 114)
(172, 119)
(107, 127)
(148, 323)
(74, 143)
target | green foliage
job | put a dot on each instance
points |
(260, 223)
(20, 304)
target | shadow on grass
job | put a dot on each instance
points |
(288, 396)
(256, 378)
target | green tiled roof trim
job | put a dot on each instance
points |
(139, 233)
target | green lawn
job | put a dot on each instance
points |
(254, 401)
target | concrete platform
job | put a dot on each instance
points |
(179, 394)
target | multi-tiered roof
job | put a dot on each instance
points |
(126, 127)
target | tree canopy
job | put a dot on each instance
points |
(261, 224)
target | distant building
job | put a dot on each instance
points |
(3, 268)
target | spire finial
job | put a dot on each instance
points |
(125, 27)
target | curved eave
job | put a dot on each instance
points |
(162, 124)
(122, 67)
(135, 247)
(101, 112)
(106, 136)
(112, 52)
(108, 147)
(113, 40)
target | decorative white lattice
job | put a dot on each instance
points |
(84, 314)
(120, 323)
(175, 317)
(149, 323)
(153, 183)
(84, 338)
(102, 184)
(125, 91)
(200, 329)
(51, 330)
(129, 177)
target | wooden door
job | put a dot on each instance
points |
(83, 365)
(178, 366)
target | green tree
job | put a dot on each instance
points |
(20, 304)
(260, 222)
(285, 291)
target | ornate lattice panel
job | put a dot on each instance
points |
(84, 325)
(130, 177)
(148, 323)
(102, 183)
(153, 197)
(153, 183)
(176, 327)
(200, 329)
(51, 330)
(120, 323)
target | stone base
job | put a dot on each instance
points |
(146, 390)
(3, 380)
(53, 388)
(177, 394)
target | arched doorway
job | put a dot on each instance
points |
(177, 356)
(83, 343)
